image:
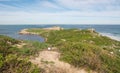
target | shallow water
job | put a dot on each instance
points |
(13, 31)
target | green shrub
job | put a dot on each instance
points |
(83, 48)
(12, 59)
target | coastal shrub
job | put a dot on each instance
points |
(8, 40)
(110, 64)
(1, 60)
(12, 64)
(12, 60)
(89, 56)
(83, 48)
(80, 54)
(32, 48)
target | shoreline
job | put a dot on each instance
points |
(111, 36)
(25, 32)
(54, 28)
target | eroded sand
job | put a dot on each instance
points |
(49, 60)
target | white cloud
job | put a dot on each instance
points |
(87, 4)
(67, 13)
(49, 5)
(73, 17)
(44, 12)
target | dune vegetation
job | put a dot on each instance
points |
(14, 59)
(84, 48)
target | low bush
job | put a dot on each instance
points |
(11, 60)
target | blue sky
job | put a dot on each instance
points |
(59, 11)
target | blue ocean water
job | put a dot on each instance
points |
(112, 31)
(13, 31)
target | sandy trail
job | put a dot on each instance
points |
(49, 60)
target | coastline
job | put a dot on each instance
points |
(117, 38)
(25, 32)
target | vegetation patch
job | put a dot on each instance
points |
(12, 59)
(85, 48)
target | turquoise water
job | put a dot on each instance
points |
(112, 31)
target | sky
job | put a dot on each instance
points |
(59, 11)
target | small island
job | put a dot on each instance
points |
(27, 31)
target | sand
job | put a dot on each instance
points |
(49, 60)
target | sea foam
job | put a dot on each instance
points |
(112, 36)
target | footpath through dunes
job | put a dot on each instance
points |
(49, 61)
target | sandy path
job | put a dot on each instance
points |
(49, 60)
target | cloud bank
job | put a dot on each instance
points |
(60, 11)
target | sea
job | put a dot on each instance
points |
(112, 31)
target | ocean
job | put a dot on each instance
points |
(112, 31)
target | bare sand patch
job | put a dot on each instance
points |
(49, 60)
